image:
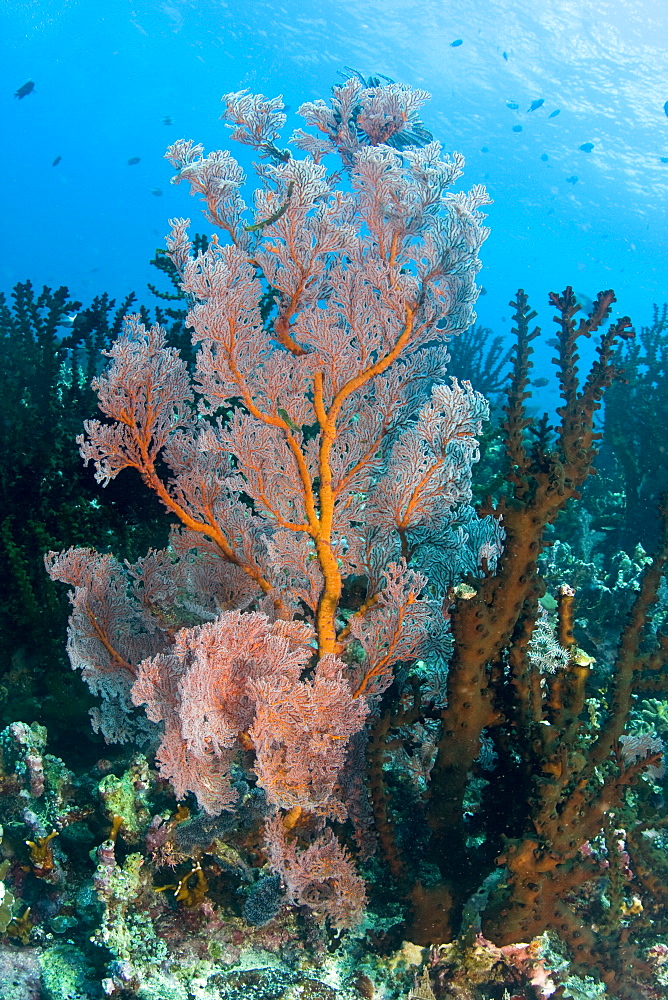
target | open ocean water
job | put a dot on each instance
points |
(579, 198)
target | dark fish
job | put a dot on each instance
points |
(56, 161)
(553, 114)
(275, 216)
(517, 128)
(457, 41)
(585, 301)
(484, 149)
(167, 120)
(24, 90)
(538, 383)
(572, 180)
(544, 157)
(133, 161)
(156, 191)
(587, 147)
(536, 104)
(286, 416)
(512, 105)
(553, 342)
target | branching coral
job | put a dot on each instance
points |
(554, 782)
(502, 609)
(634, 428)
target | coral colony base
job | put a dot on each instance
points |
(361, 750)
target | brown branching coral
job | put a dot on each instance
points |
(541, 481)
(556, 782)
(633, 449)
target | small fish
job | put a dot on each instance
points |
(483, 290)
(276, 215)
(544, 157)
(553, 342)
(548, 602)
(167, 120)
(512, 105)
(484, 149)
(456, 43)
(553, 114)
(665, 107)
(536, 104)
(538, 383)
(156, 191)
(133, 161)
(517, 128)
(664, 159)
(25, 89)
(505, 56)
(572, 180)
(56, 161)
(587, 147)
(284, 415)
(584, 301)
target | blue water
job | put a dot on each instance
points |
(107, 75)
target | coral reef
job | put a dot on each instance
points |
(400, 746)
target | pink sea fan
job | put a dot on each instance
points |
(207, 776)
(240, 674)
(111, 630)
(363, 115)
(321, 877)
(301, 732)
(394, 629)
(146, 390)
(255, 119)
